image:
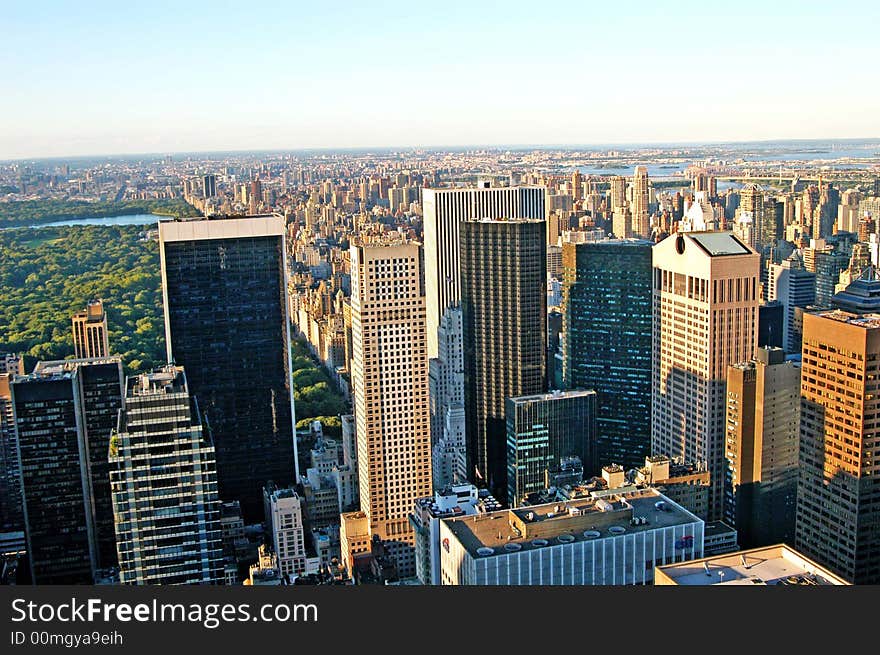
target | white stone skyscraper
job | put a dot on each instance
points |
(706, 297)
(443, 211)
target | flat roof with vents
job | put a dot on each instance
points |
(551, 524)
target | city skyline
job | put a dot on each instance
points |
(300, 81)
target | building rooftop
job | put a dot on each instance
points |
(168, 379)
(554, 395)
(61, 367)
(719, 244)
(868, 321)
(583, 519)
(456, 500)
(771, 565)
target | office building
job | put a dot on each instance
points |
(90, 338)
(209, 186)
(390, 382)
(284, 529)
(641, 199)
(765, 566)
(706, 299)
(455, 500)
(504, 319)
(446, 373)
(763, 420)
(11, 517)
(543, 430)
(794, 286)
(164, 485)
(606, 345)
(838, 513)
(224, 287)
(614, 540)
(686, 484)
(771, 324)
(443, 211)
(64, 412)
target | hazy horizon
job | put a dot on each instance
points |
(207, 77)
(452, 147)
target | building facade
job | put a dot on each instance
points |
(762, 444)
(504, 319)
(224, 285)
(838, 511)
(64, 413)
(163, 479)
(284, 524)
(606, 345)
(617, 540)
(443, 211)
(543, 430)
(706, 300)
(90, 338)
(390, 381)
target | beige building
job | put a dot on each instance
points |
(767, 566)
(706, 298)
(763, 418)
(90, 337)
(837, 508)
(390, 381)
(641, 198)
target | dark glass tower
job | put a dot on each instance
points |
(225, 296)
(64, 412)
(542, 430)
(504, 321)
(607, 341)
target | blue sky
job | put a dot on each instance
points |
(121, 77)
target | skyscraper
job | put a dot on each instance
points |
(447, 401)
(763, 420)
(641, 198)
(838, 513)
(504, 319)
(90, 337)
(209, 186)
(11, 517)
(793, 286)
(607, 309)
(64, 413)
(542, 430)
(705, 318)
(443, 210)
(390, 384)
(617, 192)
(164, 485)
(224, 284)
(284, 523)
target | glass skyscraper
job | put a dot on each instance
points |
(504, 334)
(607, 342)
(542, 430)
(225, 296)
(64, 412)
